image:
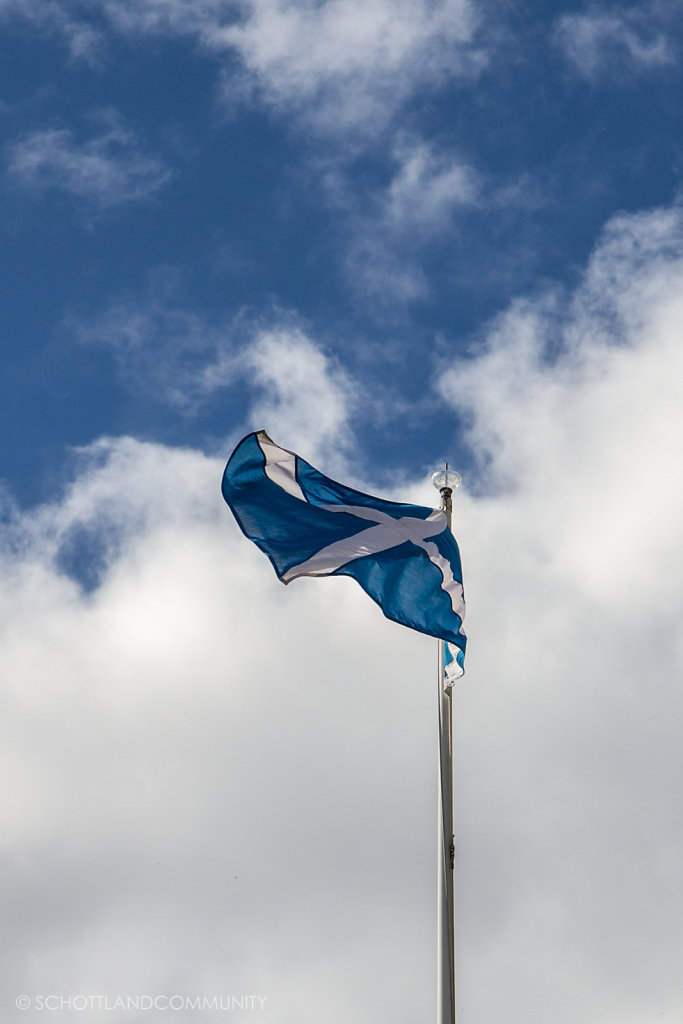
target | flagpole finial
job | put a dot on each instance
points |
(446, 479)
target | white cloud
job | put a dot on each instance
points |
(427, 188)
(621, 323)
(220, 784)
(63, 19)
(110, 169)
(419, 204)
(162, 346)
(305, 395)
(165, 349)
(348, 65)
(605, 41)
(151, 843)
(339, 64)
(576, 405)
(387, 278)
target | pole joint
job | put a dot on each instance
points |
(444, 481)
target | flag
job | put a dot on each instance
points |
(404, 556)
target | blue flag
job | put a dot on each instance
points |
(403, 556)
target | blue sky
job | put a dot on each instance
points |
(390, 205)
(390, 233)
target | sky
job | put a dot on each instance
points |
(392, 234)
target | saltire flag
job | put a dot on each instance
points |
(404, 556)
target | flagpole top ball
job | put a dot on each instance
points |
(446, 479)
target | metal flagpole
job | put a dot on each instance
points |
(445, 481)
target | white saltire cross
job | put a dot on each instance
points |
(280, 467)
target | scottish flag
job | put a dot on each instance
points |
(403, 556)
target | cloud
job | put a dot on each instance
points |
(108, 170)
(305, 395)
(340, 66)
(164, 349)
(147, 836)
(389, 278)
(218, 783)
(539, 352)
(604, 42)
(57, 17)
(427, 188)
(575, 412)
(349, 67)
(419, 205)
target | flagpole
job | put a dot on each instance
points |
(446, 854)
(445, 481)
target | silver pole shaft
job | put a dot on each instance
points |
(446, 848)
